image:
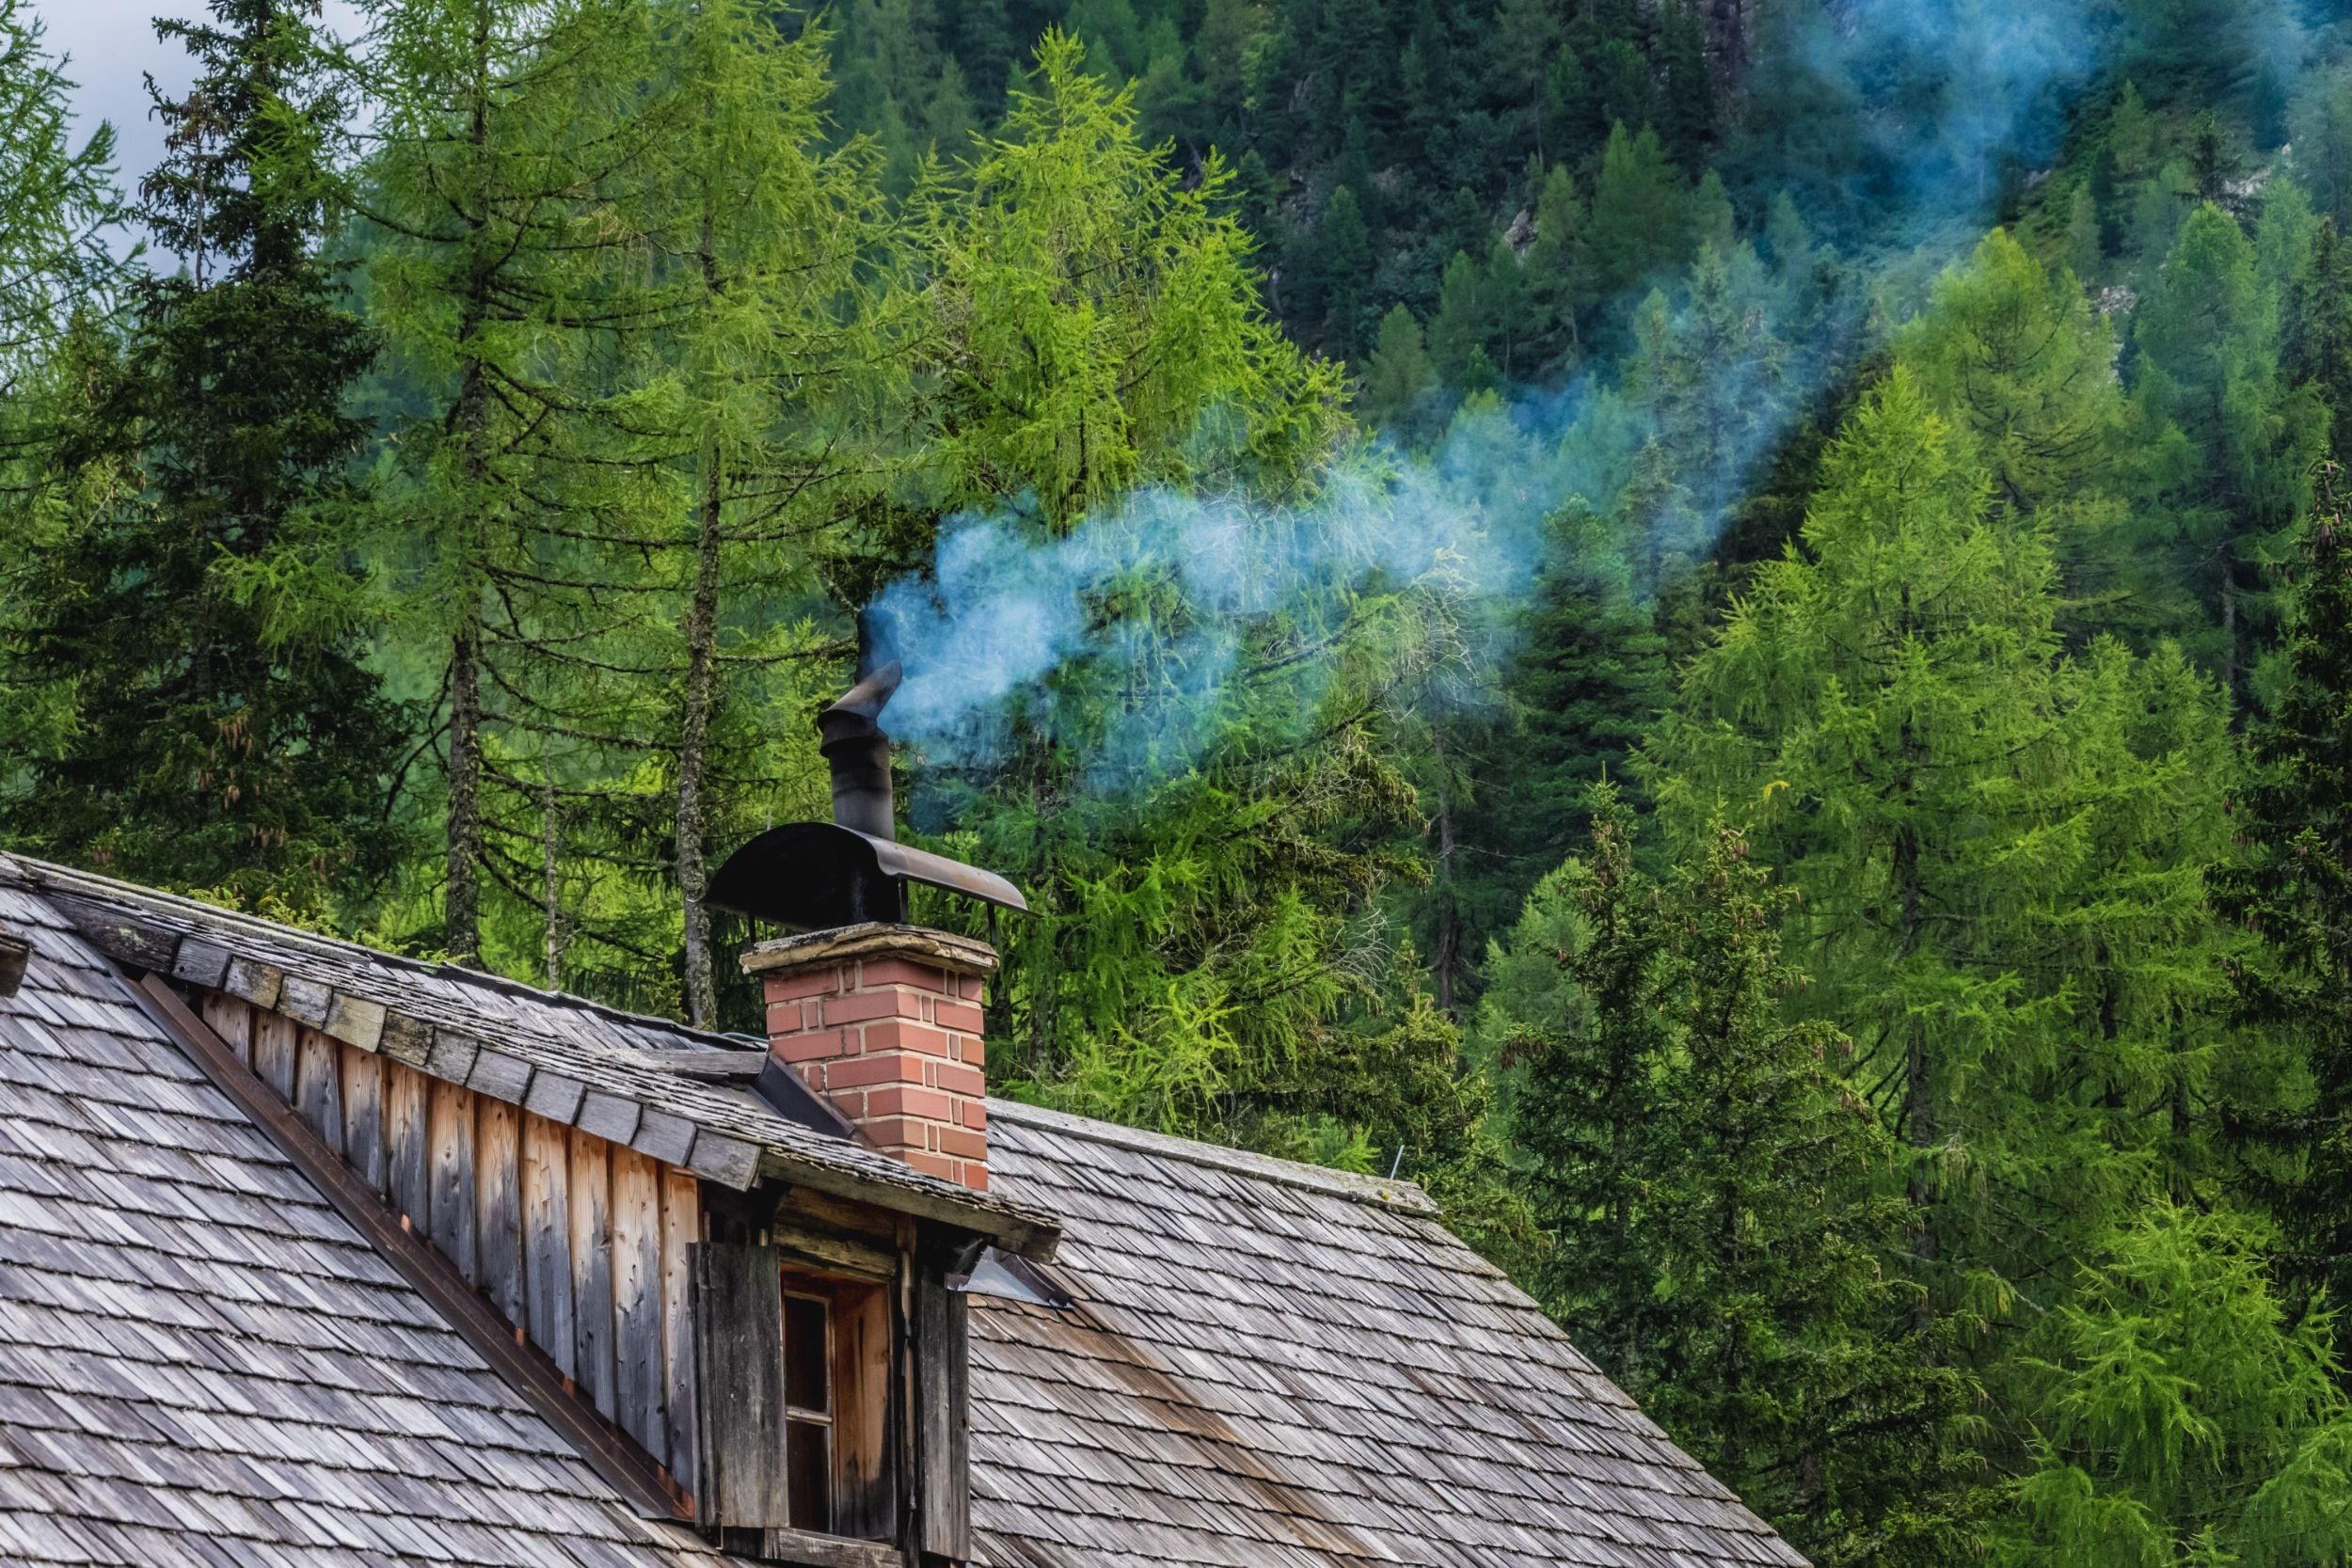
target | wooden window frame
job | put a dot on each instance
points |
(860, 1335)
(803, 1415)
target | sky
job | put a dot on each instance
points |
(112, 45)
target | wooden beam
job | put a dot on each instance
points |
(528, 1372)
(827, 1551)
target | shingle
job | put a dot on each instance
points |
(1277, 1364)
(202, 1363)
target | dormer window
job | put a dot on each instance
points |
(808, 1409)
(805, 1376)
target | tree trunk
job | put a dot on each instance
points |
(1447, 959)
(702, 632)
(551, 864)
(1728, 40)
(462, 898)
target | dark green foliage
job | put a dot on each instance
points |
(184, 573)
(1702, 1162)
(2229, 441)
(2293, 890)
(1939, 564)
(1586, 678)
(2316, 350)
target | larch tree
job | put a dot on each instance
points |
(516, 510)
(1203, 844)
(2229, 442)
(1999, 852)
(2188, 1414)
(2291, 887)
(1094, 307)
(57, 203)
(771, 372)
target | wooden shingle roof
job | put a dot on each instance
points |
(1271, 1366)
(202, 1363)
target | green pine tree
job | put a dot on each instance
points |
(2232, 444)
(1400, 382)
(1638, 218)
(183, 584)
(2000, 854)
(1703, 1166)
(2293, 889)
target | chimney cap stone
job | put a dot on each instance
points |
(873, 939)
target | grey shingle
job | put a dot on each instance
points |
(203, 1363)
(1272, 1364)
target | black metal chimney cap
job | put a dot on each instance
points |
(820, 875)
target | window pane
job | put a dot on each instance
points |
(808, 1474)
(807, 1355)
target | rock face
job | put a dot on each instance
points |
(1728, 40)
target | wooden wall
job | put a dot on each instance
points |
(579, 1242)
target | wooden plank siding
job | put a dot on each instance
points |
(592, 1271)
(547, 1238)
(498, 1204)
(363, 1114)
(319, 1086)
(681, 1229)
(274, 1052)
(405, 1093)
(638, 1366)
(233, 1020)
(450, 1137)
(579, 1242)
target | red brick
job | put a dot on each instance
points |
(881, 1067)
(973, 1114)
(961, 1016)
(896, 1099)
(823, 1045)
(858, 1007)
(938, 1165)
(896, 1132)
(968, 1048)
(973, 1177)
(956, 1078)
(821, 981)
(790, 1018)
(963, 1143)
(902, 972)
(898, 1034)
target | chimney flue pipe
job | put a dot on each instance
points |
(858, 754)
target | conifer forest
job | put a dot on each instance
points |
(1721, 629)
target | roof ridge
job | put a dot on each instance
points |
(96, 885)
(1376, 1191)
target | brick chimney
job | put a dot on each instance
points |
(884, 1021)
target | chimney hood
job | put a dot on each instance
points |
(816, 876)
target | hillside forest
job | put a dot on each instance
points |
(1721, 629)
